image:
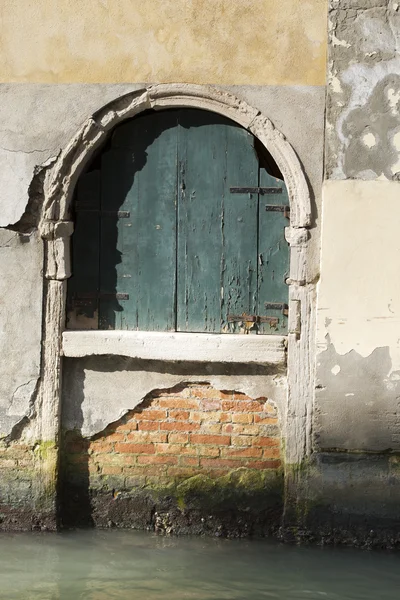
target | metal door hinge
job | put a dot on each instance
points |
(277, 306)
(273, 321)
(278, 208)
(263, 191)
(86, 298)
(117, 214)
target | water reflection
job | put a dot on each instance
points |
(124, 565)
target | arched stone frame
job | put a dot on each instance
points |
(56, 228)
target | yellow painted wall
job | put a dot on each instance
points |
(196, 41)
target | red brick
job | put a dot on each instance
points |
(211, 428)
(242, 452)
(130, 460)
(144, 470)
(170, 449)
(241, 440)
(126, 427)
(241, 406)
(189, 461)
(115, 437)
(211, 416)
(242, 418)
(178, 438)
(157, 459)
(179, 426)
(205, 392)
(195, 416)
(135, 448)
(264, 420)
(227, 428)
(100, 447)
(207, 405)
(148, 425)
(153, 415)
(109, 470)
(156, 436)
(220, 440)
(218, 462)
(208, 451)
(266, 441)
(225, 417)
(182, 471)
(178, 403)
(246, 429)
(179, 415)
(138, 437)
(271, 452)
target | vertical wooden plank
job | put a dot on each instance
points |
(83, 285)
(239, 274)
(273, 264)
(217, 230)
(202, 158)
(139, 176)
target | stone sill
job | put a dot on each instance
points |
(190, 347)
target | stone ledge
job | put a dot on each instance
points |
(194, 347)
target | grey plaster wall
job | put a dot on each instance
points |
(99, 390)
(21, 262)
(363, 118)
(357, 402)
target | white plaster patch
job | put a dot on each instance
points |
(364, 266)
(350, 394)
(393, 98)
(369, 140)
(335, 370)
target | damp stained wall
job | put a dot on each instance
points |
(274, 42)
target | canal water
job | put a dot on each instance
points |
(128, 565)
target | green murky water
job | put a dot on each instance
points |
(108, 565)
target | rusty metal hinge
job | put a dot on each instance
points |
(278, 208)
(263, 191)
(85, 298)
(118, 214)
(277, 306)
(273, 321)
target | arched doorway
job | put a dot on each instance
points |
(57, 225)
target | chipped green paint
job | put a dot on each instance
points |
(178, 251)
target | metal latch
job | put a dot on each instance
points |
(118, 214)
(255, 190)
(278, 208)
(277, 306)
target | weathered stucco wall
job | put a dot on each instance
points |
(199, 41)
(363, 120)
(359, 317)
(21, 290)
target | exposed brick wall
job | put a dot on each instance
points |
(178, 434)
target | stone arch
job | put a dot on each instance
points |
(56, 228)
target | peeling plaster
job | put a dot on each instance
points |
(363, 89)
(100, 390)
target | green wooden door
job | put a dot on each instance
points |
(178, 248)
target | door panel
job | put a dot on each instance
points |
(167, 246)
(139, 177)
(273, 250)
